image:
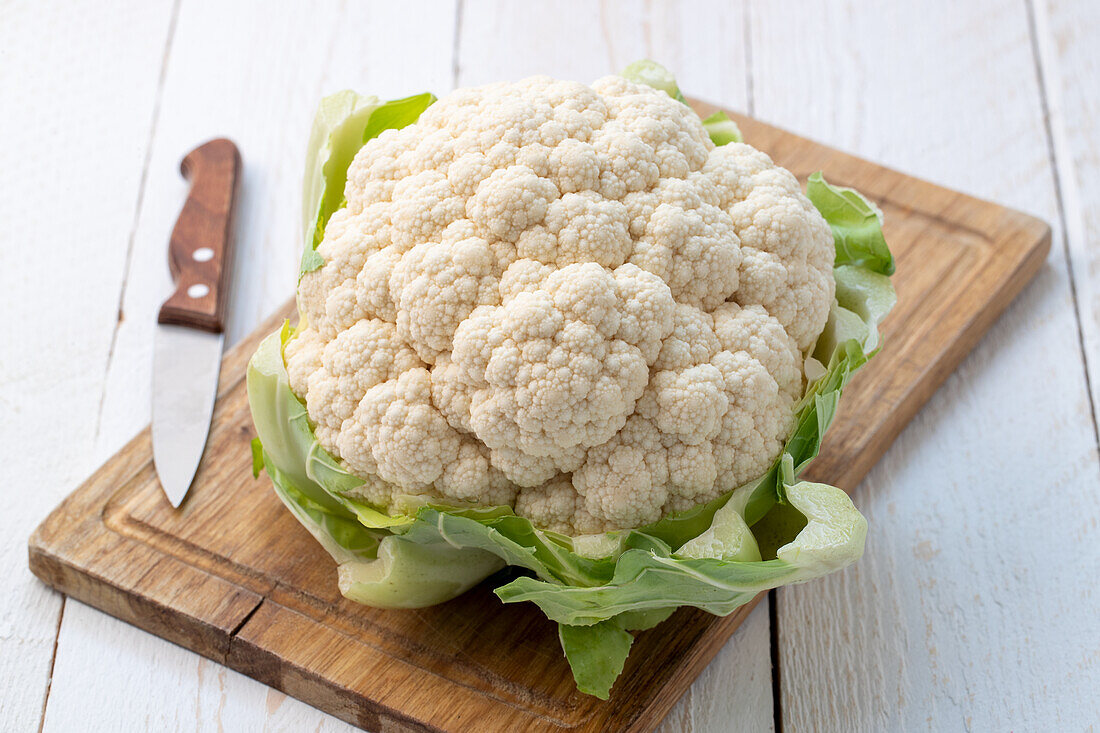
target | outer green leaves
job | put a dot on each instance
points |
(397, 113)
(282, 426)
(831, 539)
(344, 539)
(596, 654)
(863, 300)
(257, 457)
(728, 537)
(412, 574)
(856, 224)
(344, 121)
(513, 539)
(722, 129)
(654, 75)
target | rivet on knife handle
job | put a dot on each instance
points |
(199, 254)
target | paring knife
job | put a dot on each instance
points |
(188, 350)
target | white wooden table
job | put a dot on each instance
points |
(975, 606)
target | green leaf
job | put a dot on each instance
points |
(396, 114)
(722, 129)
(654, 75)
(642, 620)
(867, 295)
(832, 539)
(856, 225)
(727, 538)
(310, 259)
(514, 540)
(410, 574)
(257, 457)
(336, 136)
(596, 655)
(384, 570)
(344, 539)
(282, 424)
(343, 123)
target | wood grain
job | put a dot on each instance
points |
(253, 590)
(200, 250)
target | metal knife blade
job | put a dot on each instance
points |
(188, 343)
(186, 363)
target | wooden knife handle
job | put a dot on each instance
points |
(200, 253)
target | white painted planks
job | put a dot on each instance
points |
(968, 609)
(70, 175)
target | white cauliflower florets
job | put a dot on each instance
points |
(564, 299)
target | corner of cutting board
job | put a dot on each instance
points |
(39, 560)
(1042, 232)
(49, 539)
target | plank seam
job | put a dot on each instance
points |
(605, 31)
(456, 44)
(137, 213)
(773, 634)
(746, 32)
(1044, 104)
(53, 661)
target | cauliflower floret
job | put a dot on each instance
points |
(690, 244)
(523, 276)
(689, 403)
(336, 297)
(786, 246)
(556, 377)
(471, 477)
(551, 505)
(562, 298)
(397, 433)
(510, 200)
(451, 393)
(759, 420)
(691, 342)
(625, 481)
(580, 227)
(646, 310)
(336, 375)
(752, 330)
(423, 205)
(435, 286)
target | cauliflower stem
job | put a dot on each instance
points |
(613, 385)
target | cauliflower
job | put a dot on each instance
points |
(564, 299)
(534, 314)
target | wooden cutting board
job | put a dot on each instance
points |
(235, 578)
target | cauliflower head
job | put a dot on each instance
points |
(564, 299)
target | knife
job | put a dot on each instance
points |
(188, 348)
